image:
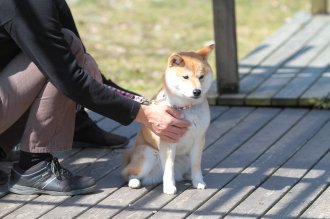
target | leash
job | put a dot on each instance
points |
(143, 100)
(137, 98)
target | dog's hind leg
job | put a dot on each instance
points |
(141, 164)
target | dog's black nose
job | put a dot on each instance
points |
(197, 92)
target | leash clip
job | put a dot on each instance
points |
(145, 102)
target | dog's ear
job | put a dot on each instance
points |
(175, 60)
(206, 51)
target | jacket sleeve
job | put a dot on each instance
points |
(66, 17)
(37, 31)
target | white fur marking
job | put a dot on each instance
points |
(134, 183)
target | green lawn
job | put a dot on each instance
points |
(132, 39)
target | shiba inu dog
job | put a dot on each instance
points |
(187, 79)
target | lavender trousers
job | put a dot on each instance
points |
(33, 112)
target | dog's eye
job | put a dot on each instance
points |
(201, 77)
(185, 77)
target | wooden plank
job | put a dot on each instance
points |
(225, 123)
(237, 136)
(301, 196)
(147, 204)
(263, 94)
(225, 46)
(318, 92)
(279, 57)
(212, 156)
(277, 185)
(128, 131)
(216, 111)
(235, 191)
(106, 185)
(320, 208)
(272, 43)
(289, 62)
(70, 207)
(108, 124)
(289, 95)
(114, 203)
(249, 63)
(227, 170)
(231, 99)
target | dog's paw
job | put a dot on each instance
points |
(199, 185)
(134, 183)
(169, 189)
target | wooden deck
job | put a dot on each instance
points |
(290, 68)
(259, 161)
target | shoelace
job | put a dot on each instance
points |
(58, 170)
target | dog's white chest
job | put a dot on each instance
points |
(199, 116)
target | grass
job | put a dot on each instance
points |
(132, 39)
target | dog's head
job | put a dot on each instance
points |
(188, 74)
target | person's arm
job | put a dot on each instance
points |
(68, 22)
(37, 31)
(163, 120)
(66, 17)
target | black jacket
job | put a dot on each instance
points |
(34, 28)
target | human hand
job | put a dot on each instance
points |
(164, 121)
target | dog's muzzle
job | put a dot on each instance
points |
(197, 93)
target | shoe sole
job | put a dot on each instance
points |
(24, 190)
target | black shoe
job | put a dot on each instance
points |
(3, 178)
(48, 177)
(88, 134)
(12, 155)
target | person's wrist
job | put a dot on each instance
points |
(141, 115)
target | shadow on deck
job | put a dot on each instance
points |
(289, 69)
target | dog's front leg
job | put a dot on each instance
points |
(167, 156)
(196, 163)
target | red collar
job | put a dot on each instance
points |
(180, 108)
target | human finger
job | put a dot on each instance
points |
(181, 123)
(175, 113)
(176, 130)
